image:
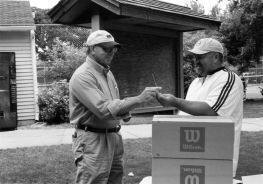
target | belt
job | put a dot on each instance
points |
(98, 130)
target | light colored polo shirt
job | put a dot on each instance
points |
(223, 92)
(94, 96)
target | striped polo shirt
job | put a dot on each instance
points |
(223, 92)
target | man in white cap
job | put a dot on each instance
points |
(216, 92)
(96, 111)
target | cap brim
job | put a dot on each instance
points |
(196, 51)
(110, 44)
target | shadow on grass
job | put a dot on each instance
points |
(54, 164)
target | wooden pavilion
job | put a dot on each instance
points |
(151, 34)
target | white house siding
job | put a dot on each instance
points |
(20, 42)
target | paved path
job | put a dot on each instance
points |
(253, 92)
(46, 137)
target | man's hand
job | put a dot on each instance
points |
(165, 99)
(125, 117)
(149, 93)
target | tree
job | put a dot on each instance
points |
(240, 32)
(46, 33)
(196, 6)
(59, 48)
(65, 58)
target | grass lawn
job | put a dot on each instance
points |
(251, 154)
(253, 108)
(54, 164)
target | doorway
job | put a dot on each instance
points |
(8, 104)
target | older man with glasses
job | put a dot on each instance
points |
(96, 111)
(216, 92)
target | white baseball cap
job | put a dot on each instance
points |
(206, 45)
(101, 36)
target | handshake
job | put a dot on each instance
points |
(151, 93)
(148, 94)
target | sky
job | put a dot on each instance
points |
(43, 4)
(208, 4)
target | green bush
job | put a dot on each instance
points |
(53, 103)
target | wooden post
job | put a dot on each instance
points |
(96, 22)
(179, 73)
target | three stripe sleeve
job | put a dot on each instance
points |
(224, 92)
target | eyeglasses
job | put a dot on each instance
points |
(109, 49)
(199, 56)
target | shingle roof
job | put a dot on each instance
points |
(13, 13)
(154, 13)
(166, 7)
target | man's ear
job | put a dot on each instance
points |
(92, 49)
(216, 57)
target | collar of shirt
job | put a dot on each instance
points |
(99, 68)
(209, 74)
(212, 72)
(216, 70)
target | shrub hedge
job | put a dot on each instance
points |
(53, 102)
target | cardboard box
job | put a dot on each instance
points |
(253, 179)
(203, 137)
(191, 171)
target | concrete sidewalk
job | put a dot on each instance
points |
(47, 137)
(253, 92)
